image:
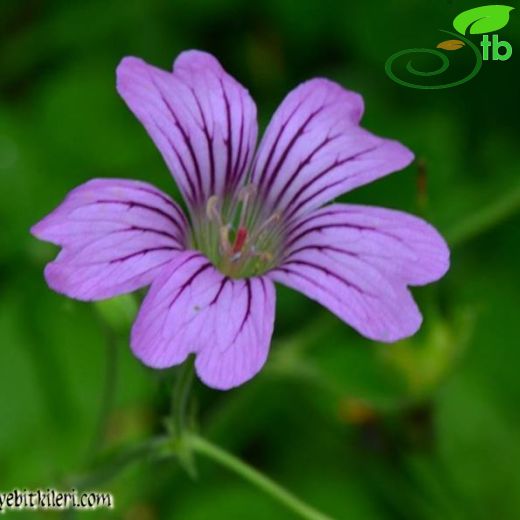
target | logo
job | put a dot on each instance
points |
(480, 20)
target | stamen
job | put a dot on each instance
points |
(212, 211)
(245, 194)
(273, 219)
(224, 240)
(265, 256)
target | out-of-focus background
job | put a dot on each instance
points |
(425, 429)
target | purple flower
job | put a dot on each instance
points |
(254, 219)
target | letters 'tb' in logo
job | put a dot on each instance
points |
(496, 47)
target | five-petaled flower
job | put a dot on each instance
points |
(253, 219)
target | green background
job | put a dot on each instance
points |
(425, 429)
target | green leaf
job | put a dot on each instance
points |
(484, 19)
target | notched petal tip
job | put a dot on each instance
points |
(331, 91)
(115, 237)
(57, 277)
(358, 261)
(224, 383)
(314, 149)
(410, 325)
(192, 308)
(159, 361)
(350, 97)
(200, 118)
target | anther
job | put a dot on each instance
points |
(224, 240)
(246, 192)
(244, 195)
(273, 219)
(265, 256)
(211, 209)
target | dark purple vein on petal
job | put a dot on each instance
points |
(237, 169)
(299, 224)
(164, 198)
(327, 211)
(248, 308)
(321, 227)
(185, 136)
(143, 252)
(158, 194)
(274, 147)
(189, 145)
(228, 140)
(223, 283)
(336, 164)
(209, 140)
(313, 282)
(190, 280)
(242, 167)
(321, 248)
(329, 225)
(363, 258)
(326, 271)
(192, 197)
(262, 281)
(150, 230)
(302, 165)
(133, 204)
(299, 132)
(139, 229)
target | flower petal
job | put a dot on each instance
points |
(192, 308)
(313, 150)
(115, 234)
(357, 261)
(404, 246)
(200, 118)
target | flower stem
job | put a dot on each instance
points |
(108, 394)
(183, 443)
(180, 396)
(205, 447)
(485, 218)
(177, 423)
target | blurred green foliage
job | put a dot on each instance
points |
(426, 429)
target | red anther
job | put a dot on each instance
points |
(240, 239)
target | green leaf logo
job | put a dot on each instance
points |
(485, 19)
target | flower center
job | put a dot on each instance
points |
(237, 236)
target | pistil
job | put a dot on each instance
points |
(240, 240)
